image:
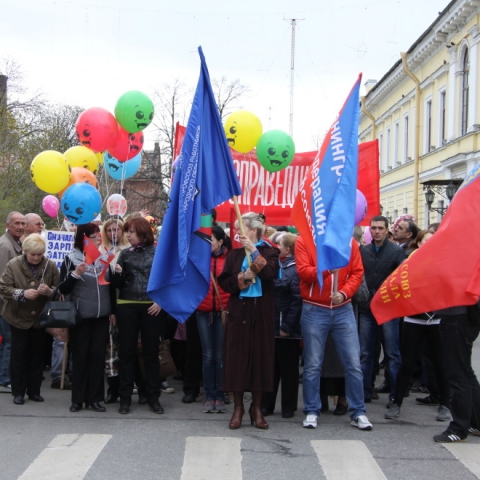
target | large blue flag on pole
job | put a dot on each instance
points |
(205, 177)
(324, 210)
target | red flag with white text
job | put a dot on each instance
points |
(443, 273)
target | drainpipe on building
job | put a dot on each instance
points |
(416, 153)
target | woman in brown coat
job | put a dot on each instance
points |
(27, 283)
(249, 339)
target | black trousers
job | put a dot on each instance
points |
(132, 319)
(26, 361)
(192, 375)
(412, 338)
(88, 343)
(458, 335)
(287, 353)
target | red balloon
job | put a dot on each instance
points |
(97, 129)
(127, 146)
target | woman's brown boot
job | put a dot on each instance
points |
(238, 411)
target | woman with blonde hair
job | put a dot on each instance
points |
(114, 241)
(249, 338)
(26, 285)
(113, 238)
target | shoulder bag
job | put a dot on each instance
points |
(58, 314)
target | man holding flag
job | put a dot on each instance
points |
(329, 263)
(205, 178)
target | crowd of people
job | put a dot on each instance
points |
(265, 315)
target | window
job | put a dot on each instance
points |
(465, 70)
(380, 151)
(395, 145)
(405, 158)
(442, 125)
(387, 152)
(428, 126)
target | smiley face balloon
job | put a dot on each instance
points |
(80, 175)
(127, 146)
(242, 129)
(275, 150)
(134, 111)
(96, 129)
(81, 203)
(81, 156)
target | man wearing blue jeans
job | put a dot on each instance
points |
(380, 258)
(324, 311)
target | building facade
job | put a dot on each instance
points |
(425, 114)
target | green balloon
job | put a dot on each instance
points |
(275, 150)
(134, 111)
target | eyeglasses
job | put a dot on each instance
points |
(94, 237)
(38, 224)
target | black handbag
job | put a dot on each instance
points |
(58, 314)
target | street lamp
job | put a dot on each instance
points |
(450, 191)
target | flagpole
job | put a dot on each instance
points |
(335, 282)
(242, 230)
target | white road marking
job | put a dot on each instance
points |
(346, 459)
(67, 457)
(468, 454)
(212, 458)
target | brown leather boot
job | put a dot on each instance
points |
(256, 417)
(236, 420)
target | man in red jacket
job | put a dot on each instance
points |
(327, 311)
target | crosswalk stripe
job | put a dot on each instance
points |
(341, 459)
(67, 457)
(212, 458)
(469, 455)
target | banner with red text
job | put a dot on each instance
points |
(273, 194)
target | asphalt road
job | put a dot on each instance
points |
(45, 440)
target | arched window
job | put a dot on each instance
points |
(465, 69)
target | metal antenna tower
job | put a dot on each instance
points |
(293, 23)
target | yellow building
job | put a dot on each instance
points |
(425, 114)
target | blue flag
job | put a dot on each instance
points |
(324, 210)
(205, 178)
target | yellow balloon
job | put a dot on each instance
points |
(50, 171)
(81, 156)
(99, 156)
(243, 130)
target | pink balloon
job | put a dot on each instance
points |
(50, 205)
(367, 236)
(360, 207)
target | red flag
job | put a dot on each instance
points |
(90, 251)
(444, 272)
(104, 264)
(369, 178)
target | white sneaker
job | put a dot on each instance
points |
(361, 422)
(310, 421)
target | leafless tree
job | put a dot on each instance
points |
(227, 94)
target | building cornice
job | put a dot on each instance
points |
(454, 16)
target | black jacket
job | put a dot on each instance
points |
(288, 302)
(136, 263)
(379, 265)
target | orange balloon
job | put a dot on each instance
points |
(80, 175)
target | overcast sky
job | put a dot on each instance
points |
(90, 52)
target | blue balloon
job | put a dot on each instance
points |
(81, 203)
(121, 170)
